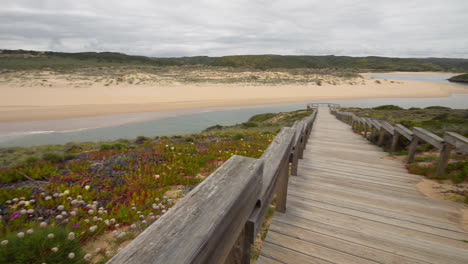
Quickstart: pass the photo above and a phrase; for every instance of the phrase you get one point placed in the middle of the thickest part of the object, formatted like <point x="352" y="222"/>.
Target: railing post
<point x="444" y="158"/>
<point x="395" y="138"/>
<point x="282" y="189"/>
<point x="412" y="149"/>
<point x="380" y="142"/>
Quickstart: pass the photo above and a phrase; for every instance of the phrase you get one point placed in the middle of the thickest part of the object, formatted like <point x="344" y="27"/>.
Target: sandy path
<point x="30" y="103"/>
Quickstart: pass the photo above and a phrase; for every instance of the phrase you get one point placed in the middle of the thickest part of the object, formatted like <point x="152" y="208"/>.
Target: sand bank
<point x="29" y="102"/>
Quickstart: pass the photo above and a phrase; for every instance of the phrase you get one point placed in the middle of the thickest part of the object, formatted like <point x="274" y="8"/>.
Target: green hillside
<point x="20" y="59"/>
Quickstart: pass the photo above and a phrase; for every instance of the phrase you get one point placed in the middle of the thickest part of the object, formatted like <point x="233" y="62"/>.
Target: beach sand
<point x="51" y="97"/>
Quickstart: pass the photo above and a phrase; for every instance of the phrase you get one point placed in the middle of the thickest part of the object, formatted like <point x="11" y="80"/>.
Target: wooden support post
<point x="444" y="158"/>
<point x="395" y="138"/>
<point x="412" y="149"/>
<point x="282" y="189"/>
<point x="301" y="147"/>
<point x="380" y="142"/>
<point x="294" y="162"/>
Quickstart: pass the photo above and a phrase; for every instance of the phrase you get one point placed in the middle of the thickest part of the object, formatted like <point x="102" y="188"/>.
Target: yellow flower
<point x="87" y="187"/>
<point x="27" y="203"/>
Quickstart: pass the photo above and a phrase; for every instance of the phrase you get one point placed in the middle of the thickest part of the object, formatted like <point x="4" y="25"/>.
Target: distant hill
<point x="21" y="59"/>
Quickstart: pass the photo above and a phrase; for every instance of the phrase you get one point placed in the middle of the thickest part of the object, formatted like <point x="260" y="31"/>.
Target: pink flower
<point x="15" y="215"/>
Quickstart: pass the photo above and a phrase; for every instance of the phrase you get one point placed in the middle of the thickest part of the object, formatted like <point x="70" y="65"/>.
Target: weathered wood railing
<point x="219" y="220"/>
<point x="369" y="128"/>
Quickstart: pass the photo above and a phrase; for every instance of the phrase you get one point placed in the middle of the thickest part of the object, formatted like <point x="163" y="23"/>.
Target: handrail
<point x="450" y="141"/>
<point x="221" y="217"/>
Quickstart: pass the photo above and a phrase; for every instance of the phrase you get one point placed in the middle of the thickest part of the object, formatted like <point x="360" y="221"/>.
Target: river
<point x="113" y="127"/>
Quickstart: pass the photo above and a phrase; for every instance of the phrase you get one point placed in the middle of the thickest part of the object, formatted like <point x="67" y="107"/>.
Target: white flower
<point x="88" y="257"/>
<point x="54" y="249"/>
<point x="71" y="255"/>
<point x="4" y="243"/>
<point x="121" y="235"/>
<point x="79" y="197"/>
<point x="133" y="208"/>
<point x="107" y="222"/>
<point x="69" y="198"/>
<point x="23" y="212"/>
<point x="73" y="213"/>
<point x="144" y="222"/>
<point x="60" y="207"/>
<point x="29" y="231"/>
<point x="43" y="225"/>
<point x="95" y="218"/>
<point x="93" y="228"/>
<point x="20" y="234"/>
<point x="86" y="221"/>
<point x="64" y="213"/>
<point x="50" y="236"/>
<point x="74" y="202"/>
<point x="48" y="198"/>
<point x="133" y="226"/>
<point x="97" y="250"/>
<point x="66" y="192"/>
<point x="113" y="220"/>
<point x="30" y="211"/>
<point x="117" y="225"/>
<point x="15" y="200"/>
<point x="8" y="202"/>
<point x="71" y="236"/>
<point x="59" y="217"/>
<point x="91" y="212"/>
<point x="153" y="218"/>
<point x="164" y="211"/>
<point x="142" y="217"/>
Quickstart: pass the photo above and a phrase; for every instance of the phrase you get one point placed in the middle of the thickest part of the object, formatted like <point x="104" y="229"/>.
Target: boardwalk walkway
<point x="349" y="204"/>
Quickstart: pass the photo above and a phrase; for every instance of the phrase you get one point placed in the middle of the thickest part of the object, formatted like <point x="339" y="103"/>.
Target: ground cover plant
<point x="438" y="120"/>
<point x="82" y="201"/>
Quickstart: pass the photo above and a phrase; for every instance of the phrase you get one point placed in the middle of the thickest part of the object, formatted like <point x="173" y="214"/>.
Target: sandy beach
<point x="31" y="100"/>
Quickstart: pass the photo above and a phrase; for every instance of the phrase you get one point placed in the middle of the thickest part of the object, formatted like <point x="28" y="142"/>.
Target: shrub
<point x="32" y="159"/>
<point x="52" y="157"/>
<point x="388" y="107"/>
<point x="238" y="136"/>
<point x="141" y="139"/>
<point x="438" y="107"/>
<point x="262" y="117"/>
<point x="249" y="124"/>
<point x="36" y="247"/>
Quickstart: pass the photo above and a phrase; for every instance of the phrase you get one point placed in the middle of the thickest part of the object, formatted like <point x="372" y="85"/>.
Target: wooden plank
<point x="266" y="260"/>
<point x="408" y="134"/>
<point x="428" y="137"/>
<point x="403" y="236"/>
<point x="362" y="238"/>
<point x="376" y="217"/>
<point x="318" y="251"/>
<point x="458" y="141"/>
<point x="388" y="128"/>
<point x="340" y="245"/>
<point x="285" y="255"/>
<point x="208" y="220"/>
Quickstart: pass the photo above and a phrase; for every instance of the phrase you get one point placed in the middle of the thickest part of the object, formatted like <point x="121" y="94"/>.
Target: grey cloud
<point x="400" y="28"/>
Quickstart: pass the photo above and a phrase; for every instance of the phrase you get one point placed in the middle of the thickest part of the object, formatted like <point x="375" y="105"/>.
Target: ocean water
<point x="128" y="126"/>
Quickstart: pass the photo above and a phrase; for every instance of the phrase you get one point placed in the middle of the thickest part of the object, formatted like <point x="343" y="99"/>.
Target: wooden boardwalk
<point x="350" y="204"/>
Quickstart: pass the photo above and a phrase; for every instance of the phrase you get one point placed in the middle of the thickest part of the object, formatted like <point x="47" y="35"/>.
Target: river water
<point x="112" y="127"/>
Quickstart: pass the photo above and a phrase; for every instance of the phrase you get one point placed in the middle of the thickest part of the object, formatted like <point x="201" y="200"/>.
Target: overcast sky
<point x="397" y="28"/>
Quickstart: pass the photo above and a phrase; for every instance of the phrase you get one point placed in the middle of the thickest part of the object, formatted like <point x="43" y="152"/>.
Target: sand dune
<point x="30" y="101"/>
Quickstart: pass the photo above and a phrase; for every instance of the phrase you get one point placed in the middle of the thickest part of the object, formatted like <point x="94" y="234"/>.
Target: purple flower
<point x="75" y="226"/>
<point x="15" y="215"/>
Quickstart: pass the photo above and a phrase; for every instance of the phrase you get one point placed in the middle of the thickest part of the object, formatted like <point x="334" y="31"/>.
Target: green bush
<point x="249" y="124"/>
<point x="32" y="159"/>
<point x="438" y="107"/>
<point x="36" y="247"/>
<point x="238" y="136"/>
<point x="52" y="157"/>
<point x="141" y="139"/>
<point x="262" y="117"/>
<point x="388" y="107"/>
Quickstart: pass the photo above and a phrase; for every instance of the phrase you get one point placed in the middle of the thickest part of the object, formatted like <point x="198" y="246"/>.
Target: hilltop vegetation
<point x="26" y="60"/>
<point x="463" y="78"/>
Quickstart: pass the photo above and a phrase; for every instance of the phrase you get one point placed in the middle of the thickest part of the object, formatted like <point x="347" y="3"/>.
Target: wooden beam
<point x="408" y="134"/>
<point x="412" y="149"/>
<point x="395" y="138"/>
<point x="204" y="226"/>
<point x="428" y="137"/>
<point x="444" y="158"/>
<point x="459" y="142"/>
